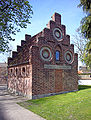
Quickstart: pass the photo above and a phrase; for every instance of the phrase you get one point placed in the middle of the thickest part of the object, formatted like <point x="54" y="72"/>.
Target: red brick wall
<point x="52" y="81"/>
<point x="43" y="80"/>
<point x="20" y="79"/>
<point x="3" y="73"/>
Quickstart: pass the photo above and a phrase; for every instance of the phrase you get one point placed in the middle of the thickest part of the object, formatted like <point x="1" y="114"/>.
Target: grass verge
<point x="69" y="106"/>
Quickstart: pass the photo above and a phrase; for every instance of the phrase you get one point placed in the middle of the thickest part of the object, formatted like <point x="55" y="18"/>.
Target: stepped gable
<point x="46" y="36"/>
<point x="21" y="56"/>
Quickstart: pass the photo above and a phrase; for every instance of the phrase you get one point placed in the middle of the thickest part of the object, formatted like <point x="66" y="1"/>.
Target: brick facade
<point x="44" y="64"/>
<point x="3" y="73"/>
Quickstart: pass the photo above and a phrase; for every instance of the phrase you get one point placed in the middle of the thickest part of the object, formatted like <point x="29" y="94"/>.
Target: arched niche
<point x="58" y="53"/>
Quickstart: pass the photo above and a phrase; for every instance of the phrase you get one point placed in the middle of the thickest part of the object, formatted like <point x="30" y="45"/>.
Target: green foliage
<point x="70" y="106"/>
<point x="85" y="29"/>
<point x="86" y="5"/>
<point x="14" y="14"/>
<point x="84" y="74"/>
<point x="86" y="21"/>
<point x="87" y="54"/>
<point x="82" y="87"/>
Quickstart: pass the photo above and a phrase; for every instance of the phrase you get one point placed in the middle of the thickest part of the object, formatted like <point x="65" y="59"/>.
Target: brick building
<point x="44" y="64"/>
<point x="3" y="73"/>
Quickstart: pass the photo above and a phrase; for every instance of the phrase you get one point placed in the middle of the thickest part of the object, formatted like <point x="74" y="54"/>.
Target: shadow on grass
<point x="82" y="87"/>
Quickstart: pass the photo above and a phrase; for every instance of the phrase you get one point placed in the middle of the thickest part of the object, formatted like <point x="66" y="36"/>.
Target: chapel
<point x="45" y="64"/>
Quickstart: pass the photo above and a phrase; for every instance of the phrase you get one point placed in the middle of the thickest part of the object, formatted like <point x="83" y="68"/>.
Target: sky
<point x="71" y="16"/>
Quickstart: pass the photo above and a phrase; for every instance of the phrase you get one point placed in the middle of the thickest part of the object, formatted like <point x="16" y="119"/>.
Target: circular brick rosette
<point x="68" y="57"/>
<point x="46" y="53"/>
<point x="57" y="33"/>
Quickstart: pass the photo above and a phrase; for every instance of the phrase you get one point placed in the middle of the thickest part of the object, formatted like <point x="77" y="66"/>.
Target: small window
<point x="16" y="71"/>
<point x="11" y="70"/>
<point x="23" y="69"/>
<point x="57" y="55"/>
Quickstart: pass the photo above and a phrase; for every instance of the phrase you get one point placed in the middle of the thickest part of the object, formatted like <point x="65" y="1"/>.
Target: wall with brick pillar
<point x="3" y="73"/>
<point x="20" y="80"/>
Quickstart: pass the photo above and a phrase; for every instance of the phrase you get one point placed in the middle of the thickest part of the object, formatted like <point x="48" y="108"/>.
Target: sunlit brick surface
<point x="27" y="74"/>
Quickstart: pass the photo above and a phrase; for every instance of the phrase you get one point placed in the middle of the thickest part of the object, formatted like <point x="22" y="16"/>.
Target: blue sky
<point x="42" y="12"/>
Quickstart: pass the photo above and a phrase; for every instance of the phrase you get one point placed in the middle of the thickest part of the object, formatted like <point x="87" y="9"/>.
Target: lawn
<point x="69" y="106"/>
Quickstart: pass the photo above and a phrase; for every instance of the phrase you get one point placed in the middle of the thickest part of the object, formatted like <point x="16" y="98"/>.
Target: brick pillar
<point x="9" y="60"/>
<point x="57" y="18"/>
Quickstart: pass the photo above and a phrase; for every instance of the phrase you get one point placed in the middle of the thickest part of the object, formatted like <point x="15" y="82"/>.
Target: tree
<point x="87" y="54"/>
<point x="81" y="48"/>
<point x="14" y="14"/>
<point x="86" y="21"/>
<point x="80" y="44"/>
<point x="85" y="29"/>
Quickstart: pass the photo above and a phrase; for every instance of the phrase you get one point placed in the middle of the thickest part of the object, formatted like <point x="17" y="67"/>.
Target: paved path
<point x="9" y="110"/>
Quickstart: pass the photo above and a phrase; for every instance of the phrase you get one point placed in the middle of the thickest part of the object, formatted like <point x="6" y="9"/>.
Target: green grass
<point x="69" y="106"/>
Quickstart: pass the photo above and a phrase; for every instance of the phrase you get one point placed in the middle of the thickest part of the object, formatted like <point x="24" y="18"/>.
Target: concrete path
<point x="9" y="110"/>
